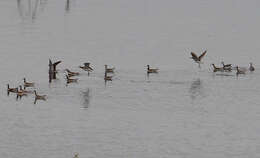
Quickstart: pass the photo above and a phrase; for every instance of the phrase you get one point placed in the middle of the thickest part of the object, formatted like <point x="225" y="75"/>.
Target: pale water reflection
<point x="28" y="9"/>
<point x="86" y="98"/>
<point x="196" y="89"/>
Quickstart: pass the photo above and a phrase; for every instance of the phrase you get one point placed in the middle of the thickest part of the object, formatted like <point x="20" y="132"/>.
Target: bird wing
<point x="202" y="55"/>
<point x="56" y="63"/>
<point x="194" y="56"/>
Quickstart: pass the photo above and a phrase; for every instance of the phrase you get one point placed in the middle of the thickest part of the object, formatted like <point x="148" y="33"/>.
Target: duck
<point x="107" y="78"/>
<point x="25" y="91"/>
<point x="196" y="58"/>
<point x="149" y="70"/>
<point x="13" y="90"/>
<point x="217" y="68"/>
<point x="39" y="97"/>
<point x="27" y="84"/>
<point x="70" y="80"/>
<point x="70" y="73"/>
<point x="109" y="70"/>
<point x="239" y="71"/>
<point x="251" y="68"/>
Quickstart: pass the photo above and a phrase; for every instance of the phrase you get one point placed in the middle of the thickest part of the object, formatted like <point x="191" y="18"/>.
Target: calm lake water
<point x="182" y="112"/>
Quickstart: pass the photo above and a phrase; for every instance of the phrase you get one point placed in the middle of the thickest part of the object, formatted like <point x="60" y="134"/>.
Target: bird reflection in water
<point x="86" y="98"/>
<point x="67" y="8"/>
<point x="28" y="8"/>
<point x="196" y="89"/>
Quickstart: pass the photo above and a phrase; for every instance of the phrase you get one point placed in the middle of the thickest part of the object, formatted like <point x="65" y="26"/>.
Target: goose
<point x="55" y="65"/>
<point x="20" y="94"/>
<point x="107" y="78"/>
<point x="25" y="91"/>
<point x="217" y="68"/>
<point x="149" y="70"/>
<point x="13" y="90"/>
<point x="39" y="97"/>
<point x="76" y="155"/>
<point x="226" y="65"/>
<point x="71" y="74"/>
<point x="71" y="80"/>
<point x="251" y="68"/>
<point x="27" y="84"/>
<point x="196" y="58"/>
<point x="239" y="71"/>
<point x="86" y="67"/>
<point x="109" y="70"/>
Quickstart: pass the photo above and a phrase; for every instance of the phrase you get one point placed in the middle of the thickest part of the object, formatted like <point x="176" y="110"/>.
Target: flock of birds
<point x="225" y="67"/>
<point x="21" y="91"/>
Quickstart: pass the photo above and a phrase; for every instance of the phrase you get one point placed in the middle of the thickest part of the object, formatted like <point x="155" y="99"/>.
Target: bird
<point x="27" y="84"/>
<point x="226" y="65"/>
<point x="13" y="90"/>
<point x="251" y="68"/>
<point x="76" y="155"/>
<point x="39" y="97"/>
<point x="196" y="58"/>
<point x="109" y="70"/>
<point x="20" y="94"/>
<point x="86" y="67"/>
<point x="239" y="71"/>
<point x="71" y="80"/>
<point x="25" y="91"/>
<point x="215" y="69"/>
<point x="107" y="78"/>
<point x="70" y="73"/>
<point x="149" y="70"/>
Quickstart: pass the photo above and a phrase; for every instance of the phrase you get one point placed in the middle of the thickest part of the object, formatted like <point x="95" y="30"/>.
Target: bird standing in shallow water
<point x="198" y="59"/>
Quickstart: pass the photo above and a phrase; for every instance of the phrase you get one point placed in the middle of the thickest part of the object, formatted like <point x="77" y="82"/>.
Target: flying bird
<point x="198" y="59"/>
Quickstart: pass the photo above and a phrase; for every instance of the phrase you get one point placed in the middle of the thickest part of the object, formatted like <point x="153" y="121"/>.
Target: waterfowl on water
<point x="76" y="155"/>
<point x="149" y="70"/>
<point x="39" y="97"/>
<point x="239" y="71"/>
<point x="251" y="68"/>
<point x="109" y="70"/>
<point x="215" y="69"/>
<point x="27" y="84"/>
<point x="25" y="91"/>
<point x="71" y="80"/>
<point x="13" y="90"/>
<point x="20" y="94"/>
<point x="107" y="78"/>
<point x="70" y="73"/>
<point x="226" y="65"/>
<point x="86" y="67"/>
<point x="196" y="58"/>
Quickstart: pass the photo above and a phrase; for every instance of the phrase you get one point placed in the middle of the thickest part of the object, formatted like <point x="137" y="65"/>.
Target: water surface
<point x="181" y="112"/>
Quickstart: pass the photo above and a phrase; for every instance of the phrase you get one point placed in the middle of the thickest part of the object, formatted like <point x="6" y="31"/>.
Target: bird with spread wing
<point x="198" y="59"/>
